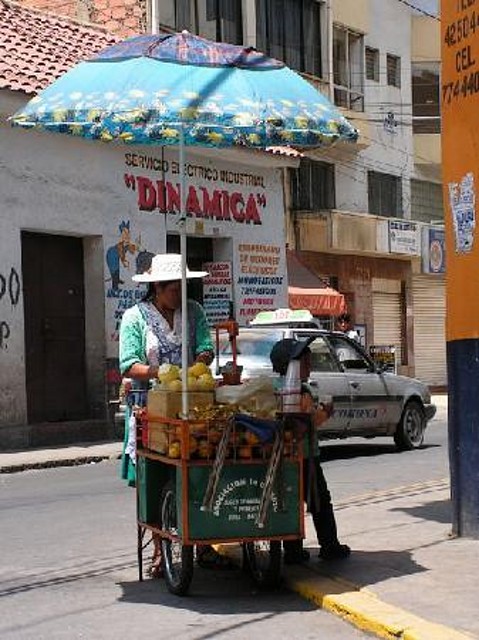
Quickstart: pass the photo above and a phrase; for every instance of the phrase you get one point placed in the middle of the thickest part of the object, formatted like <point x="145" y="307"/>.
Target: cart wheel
<point x="264" y="562"/>
<point x="177" y="557"/>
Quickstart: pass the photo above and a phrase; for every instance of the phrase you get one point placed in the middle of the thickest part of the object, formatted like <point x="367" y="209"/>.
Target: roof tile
<point x="37" y="47"/>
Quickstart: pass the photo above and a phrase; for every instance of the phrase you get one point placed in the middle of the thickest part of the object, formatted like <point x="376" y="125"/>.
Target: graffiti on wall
<point x="9" y="296"/>
<point x="124" y="258"/>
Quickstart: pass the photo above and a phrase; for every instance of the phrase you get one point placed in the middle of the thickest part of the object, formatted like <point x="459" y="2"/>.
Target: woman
<point x="150" y="335"/>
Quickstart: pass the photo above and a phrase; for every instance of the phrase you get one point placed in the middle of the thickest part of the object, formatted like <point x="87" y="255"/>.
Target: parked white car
<point x="367" y="401"/>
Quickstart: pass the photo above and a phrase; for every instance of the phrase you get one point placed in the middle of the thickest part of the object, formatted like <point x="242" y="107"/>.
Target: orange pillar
<point x="460" y="156"/>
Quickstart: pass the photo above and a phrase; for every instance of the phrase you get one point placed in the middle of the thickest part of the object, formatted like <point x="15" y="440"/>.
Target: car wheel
<point x="410" y="430"/>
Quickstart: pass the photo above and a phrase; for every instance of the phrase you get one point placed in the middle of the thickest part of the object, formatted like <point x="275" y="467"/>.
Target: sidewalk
<point x="14" y="461"/>
<point x="406" y="578"/>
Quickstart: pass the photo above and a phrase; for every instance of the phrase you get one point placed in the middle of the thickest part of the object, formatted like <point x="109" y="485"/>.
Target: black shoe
<point x="335" y="551"/>
<point x="296" y="558"/>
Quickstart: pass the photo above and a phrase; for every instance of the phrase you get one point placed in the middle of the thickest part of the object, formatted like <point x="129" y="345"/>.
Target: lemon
<point x="166" y="378"/>
<point x="175" y="385"/>
<point x="206" y="382"/>
<point x="198" y="369"/>
<point x="174" y="450"/>
<point x="192" y="383"/>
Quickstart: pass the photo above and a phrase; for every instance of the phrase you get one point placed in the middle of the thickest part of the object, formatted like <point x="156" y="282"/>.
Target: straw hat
<point x="164" y="267"/>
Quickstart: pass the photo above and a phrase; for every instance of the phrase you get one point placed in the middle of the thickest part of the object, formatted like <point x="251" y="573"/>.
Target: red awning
<point x="307" y="291"/>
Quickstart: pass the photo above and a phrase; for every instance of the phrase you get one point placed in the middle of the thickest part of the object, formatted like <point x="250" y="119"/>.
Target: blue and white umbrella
<point x="154" y="89"/>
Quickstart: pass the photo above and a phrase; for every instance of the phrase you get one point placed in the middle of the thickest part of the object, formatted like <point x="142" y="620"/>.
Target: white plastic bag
<point x="254" y="395"/>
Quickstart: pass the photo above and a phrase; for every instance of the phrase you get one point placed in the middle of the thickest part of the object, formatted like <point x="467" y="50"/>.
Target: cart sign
<point x="404" y="237"/>
<point x="236" y="504"/>
<point x="384" y="356"/>
<point x="217" y="291"/>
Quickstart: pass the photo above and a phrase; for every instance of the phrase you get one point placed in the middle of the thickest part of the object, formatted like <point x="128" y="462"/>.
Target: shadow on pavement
<point x="365" y="568"/>
<point x="366" y="450"/>
<point x="216" y="592"/>
<point x="438" y="511"/>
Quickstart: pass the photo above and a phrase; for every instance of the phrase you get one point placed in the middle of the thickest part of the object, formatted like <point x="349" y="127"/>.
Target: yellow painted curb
<point x="358" y="606"/>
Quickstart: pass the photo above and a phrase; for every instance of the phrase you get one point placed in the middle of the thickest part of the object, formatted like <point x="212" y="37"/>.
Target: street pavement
<point x="407" y="578"/>
<point x="68" y="571"/>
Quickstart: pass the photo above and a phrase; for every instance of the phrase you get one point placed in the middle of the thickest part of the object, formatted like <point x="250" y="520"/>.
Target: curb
<point x="63" y="462"/>
<point x="359" y="607"/>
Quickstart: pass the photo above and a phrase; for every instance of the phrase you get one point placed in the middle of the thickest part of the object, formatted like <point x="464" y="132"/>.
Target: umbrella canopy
<point x="158" y="89"/>
<point x="307" y="291"/>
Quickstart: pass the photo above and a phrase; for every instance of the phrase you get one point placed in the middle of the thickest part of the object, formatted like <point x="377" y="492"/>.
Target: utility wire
<point x="422" y="11"/>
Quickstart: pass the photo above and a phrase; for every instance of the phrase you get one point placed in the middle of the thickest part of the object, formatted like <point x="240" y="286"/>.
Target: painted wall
<point x="224" y="200"/>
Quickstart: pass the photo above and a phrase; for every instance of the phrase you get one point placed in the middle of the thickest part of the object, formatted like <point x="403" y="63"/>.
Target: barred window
<point x="313" y="186"/>
<point x="290" y="30"/>
<point x="348" y="68"/>
<point x="219" y="20"/>
<point x="426" y="114"/>
<point x="372" y="64"/>
<point x="426" y="201"/>
<point x="385" y="194"/>
<point x="393" y="64"/>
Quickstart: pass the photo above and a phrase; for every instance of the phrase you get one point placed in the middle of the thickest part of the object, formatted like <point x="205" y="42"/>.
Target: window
<point x="349" y="357"/>
<point x="348" y="52"/>
<point x="393" y="64"/>
<point x="321" y="357"/>
<point x="290" y="30"/>
<point x="219" y="20"/>
<point x="313" y="187"/>
<point x="426" y="201"/>
<point x="426" y="115"/>
<point x="372" y="64"/>
<point x="384" y="194"/>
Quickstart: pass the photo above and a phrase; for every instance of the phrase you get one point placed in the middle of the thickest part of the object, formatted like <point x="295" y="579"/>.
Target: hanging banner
<point x="217" y="291"/>
<point x="404" y="238"/>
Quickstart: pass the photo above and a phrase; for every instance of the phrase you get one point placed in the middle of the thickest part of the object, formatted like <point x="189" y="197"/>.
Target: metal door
<point x="373" y="406"/>
<point x="327" y="380"/>
<point x="53" y="294"/>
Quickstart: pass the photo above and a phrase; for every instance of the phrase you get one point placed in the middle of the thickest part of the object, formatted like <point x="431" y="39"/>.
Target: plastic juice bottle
<point x="291" y="392"/>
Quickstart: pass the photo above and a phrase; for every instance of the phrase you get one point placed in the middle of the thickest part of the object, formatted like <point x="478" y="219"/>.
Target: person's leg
<point x="156" y="569"/>
<point x="293" y="549"/>
<point x="324" y="521"/>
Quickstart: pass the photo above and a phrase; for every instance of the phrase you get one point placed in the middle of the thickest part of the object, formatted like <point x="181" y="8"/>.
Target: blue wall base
<point x="463" y="374"/>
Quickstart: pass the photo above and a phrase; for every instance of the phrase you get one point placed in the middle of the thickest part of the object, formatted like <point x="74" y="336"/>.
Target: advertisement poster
<point x="217" y="291"/>
<point x="404" y="238"/>
<point x="261" y="282"/>
<point x="384" y="356"/>
<point x="435" y="254"/>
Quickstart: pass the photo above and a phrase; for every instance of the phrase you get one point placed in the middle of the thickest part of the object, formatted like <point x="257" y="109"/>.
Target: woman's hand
<point x="140" y="371"/>
<point x="206" y="357"/>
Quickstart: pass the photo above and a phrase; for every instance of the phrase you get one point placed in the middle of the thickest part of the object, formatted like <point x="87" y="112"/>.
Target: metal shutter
<point x="429" y="300"/>
<point x="387" y="314"/>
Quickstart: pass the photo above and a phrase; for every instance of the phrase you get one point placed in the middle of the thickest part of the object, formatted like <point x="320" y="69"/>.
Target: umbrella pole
<point x="184" y="301"/>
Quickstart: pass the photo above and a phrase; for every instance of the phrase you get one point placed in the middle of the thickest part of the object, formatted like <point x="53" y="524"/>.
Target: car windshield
<point x="253" y="348"/>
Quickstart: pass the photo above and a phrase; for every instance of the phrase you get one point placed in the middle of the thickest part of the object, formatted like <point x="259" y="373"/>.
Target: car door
<point x="373" y="407"/>
<point x="327" y="381"/>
